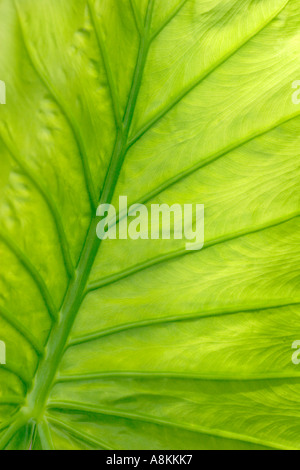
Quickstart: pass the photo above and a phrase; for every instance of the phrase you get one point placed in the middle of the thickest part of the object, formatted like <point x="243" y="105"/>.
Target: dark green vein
<point x="11" y="370"/>
<point x="79" y="435"/>
<point x="45" y="194"/>
<point x="69" y="119"/>
<point x="33" y="272"/>
<point x="45" y="435"/>
<point x="177" y="319"/>
<point x="169" y="19"/>
<point x="6" y="425"/>
<point x="81" y="408"/>
<point x="138" y="73"/>
<point x="199" y="80"/>
<point x="173" y="376"/>
<point x="137" y="21"/>
<point x="21" y="330"/>
<point x="10" y="430"/>
<point x="11" y="400"/>
<point x="110" y="80"/>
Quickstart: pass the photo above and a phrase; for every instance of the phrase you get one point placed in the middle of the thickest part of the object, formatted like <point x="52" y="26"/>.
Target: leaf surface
<point x="140" y="344"/>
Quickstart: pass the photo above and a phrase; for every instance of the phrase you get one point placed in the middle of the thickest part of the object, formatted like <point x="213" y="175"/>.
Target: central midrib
<point x="48" y="367"/>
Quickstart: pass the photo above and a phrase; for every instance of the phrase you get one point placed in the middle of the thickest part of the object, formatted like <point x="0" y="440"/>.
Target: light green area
<point x="139" y="344"/>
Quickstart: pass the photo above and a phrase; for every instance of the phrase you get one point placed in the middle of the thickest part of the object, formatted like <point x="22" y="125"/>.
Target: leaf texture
<point x="140" y="344"/>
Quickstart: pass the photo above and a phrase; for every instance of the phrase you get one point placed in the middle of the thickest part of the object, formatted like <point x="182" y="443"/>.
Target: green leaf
<point x="140" y="344"/>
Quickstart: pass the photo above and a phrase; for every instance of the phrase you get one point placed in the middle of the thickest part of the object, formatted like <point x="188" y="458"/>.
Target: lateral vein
<point x="161" y="422"/>
<point x="183" y="252"/>
<point x="198" y="81"/>
<point x="111" y="84"/>
<point x="77" y="136"/>
<point x="24" y="332"/>
<point x="51" y="206"/>
<point x="34" y="274"/>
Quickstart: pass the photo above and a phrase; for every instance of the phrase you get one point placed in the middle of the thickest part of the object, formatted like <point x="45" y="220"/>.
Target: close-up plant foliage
<point x="141" y="344"/>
